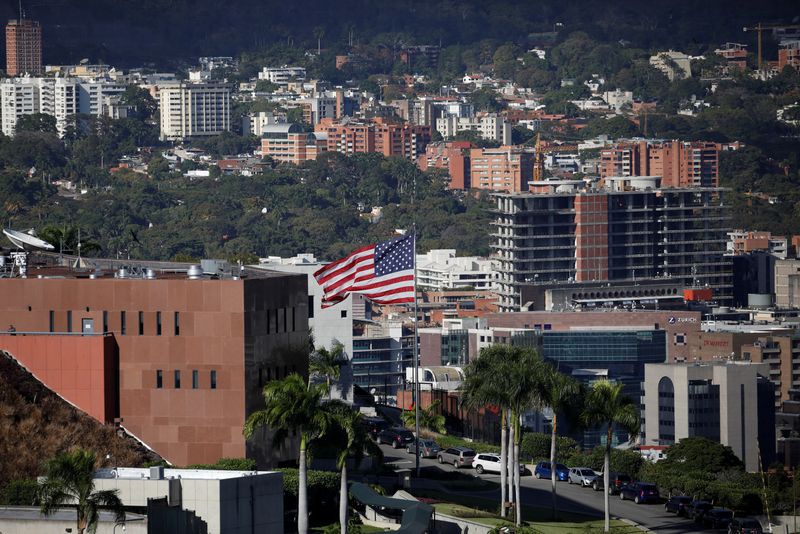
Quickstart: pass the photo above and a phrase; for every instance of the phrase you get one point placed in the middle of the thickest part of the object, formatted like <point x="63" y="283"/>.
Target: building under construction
<point x="626" y="235"/>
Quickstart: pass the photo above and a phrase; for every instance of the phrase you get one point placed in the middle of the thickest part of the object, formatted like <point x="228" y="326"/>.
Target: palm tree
<point x="349" y="436"/>
<point x="70" y="482"/>
<point x="524" y="373"/>
<point x="292" y="406"/>
<point x="483" y="386"/>
<point x="327" y="363"/>
<point x="429" y="418"/>
<point x="607" y="406"/>
<point x="561" y="395"/>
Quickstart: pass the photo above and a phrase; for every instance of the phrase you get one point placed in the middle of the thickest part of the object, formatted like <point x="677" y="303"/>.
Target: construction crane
<point x="538" y="162"/>
<point x="760" y="27"/>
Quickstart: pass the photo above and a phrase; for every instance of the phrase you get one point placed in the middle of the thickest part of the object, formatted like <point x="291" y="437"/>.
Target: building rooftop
<point x="33" y="513"/>
<point x="141" y="473"/>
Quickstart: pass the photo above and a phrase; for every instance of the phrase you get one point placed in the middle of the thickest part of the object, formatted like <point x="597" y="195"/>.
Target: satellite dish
<point x="27" y="242"/>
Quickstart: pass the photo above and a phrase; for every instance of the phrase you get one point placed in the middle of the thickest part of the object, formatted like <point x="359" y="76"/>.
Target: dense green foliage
<point x="319" y="208"/>
<point x="228" y="464"/>
<point x="535" y="447"/>
<point x="21" y="492"/>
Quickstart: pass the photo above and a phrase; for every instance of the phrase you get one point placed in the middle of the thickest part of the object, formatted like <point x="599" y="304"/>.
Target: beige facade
<point x="194" y="110"/>
<point x="787" y="283"/>
<point x="718" y="401"/>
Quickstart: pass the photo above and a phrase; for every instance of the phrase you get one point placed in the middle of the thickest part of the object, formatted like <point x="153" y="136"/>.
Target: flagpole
<point x="416" y="356"/>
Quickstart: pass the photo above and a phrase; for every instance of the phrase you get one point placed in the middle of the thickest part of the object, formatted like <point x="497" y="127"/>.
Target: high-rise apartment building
<point x="59" y="97"/>
<point x="288" y="143"/>
<point x="631" y="230"/>
<point x="23" y="47"/>
<point x="506" y="168"/>
<point x="490" y="126"/>
<point x="194" y="110"/>
<point x="679" y="163"/>
<point x="385" y="137"/>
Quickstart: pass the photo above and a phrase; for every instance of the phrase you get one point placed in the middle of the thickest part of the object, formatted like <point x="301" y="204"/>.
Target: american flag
<point x="384" y="273"/>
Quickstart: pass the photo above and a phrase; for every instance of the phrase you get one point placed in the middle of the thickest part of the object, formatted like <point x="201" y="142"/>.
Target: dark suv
<point x="697" y="508"/>
<point x="639" y="492"/>
<point x="615" y="482"/>
<point x="458" y="456"/>
<point x="396" y="437"/>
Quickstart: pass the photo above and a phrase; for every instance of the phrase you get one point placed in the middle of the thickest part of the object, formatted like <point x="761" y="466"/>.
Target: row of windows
<point x="176" y="379"/>
<point x="87" y="325"/>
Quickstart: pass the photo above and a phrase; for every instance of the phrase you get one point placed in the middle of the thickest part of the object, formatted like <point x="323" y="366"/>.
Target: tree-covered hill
<point x="128" y="32"/>
<point x="322" y="207"/>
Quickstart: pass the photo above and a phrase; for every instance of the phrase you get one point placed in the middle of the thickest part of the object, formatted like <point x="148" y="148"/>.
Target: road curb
<point x="633" y="524"/>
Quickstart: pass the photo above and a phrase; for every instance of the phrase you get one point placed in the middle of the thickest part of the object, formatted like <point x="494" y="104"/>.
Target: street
<point x="571" y="498"/>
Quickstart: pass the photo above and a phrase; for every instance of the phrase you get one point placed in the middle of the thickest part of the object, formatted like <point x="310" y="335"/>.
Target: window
<point x="158" y="323"/>
<point x="159" y="379"/>
<point x="141" y="323"/>
<point x="311" y="306"/>
<point x="344" y="314"/>
<point x="177" y="323"/>
<point x="69" y="321"/>
<point x="105" y="322"/>
<point x="195" y="379"/>
<point x="213" y="379"/>
<point x="177" y="379"/>
<point x="293" y="320"/>
<point x="52" y="321"/>
<point x="122" y="322"/>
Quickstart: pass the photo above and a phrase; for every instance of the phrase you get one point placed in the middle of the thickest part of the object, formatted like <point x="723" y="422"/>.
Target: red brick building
<point x="288" y="143"/>
<point x="507" y="168"/>
<point x="380" y="135"/>
<point x="679" y="163"/>
<point x="452" y="156"/>
<point x="178" y="362"/>
<point x="789" y="55"/>
<point x="23" y="47"/>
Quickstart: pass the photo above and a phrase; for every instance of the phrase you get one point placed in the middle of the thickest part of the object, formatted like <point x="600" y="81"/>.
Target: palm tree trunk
<point x="518" y="433"/>
<point x="553" y="464"/>
<point x="510" y="464"/>
<point x="302" y="489"/>
<point x="503" y="460"/>
<point x="606" y="476"/>
<point x="343" y="499"/>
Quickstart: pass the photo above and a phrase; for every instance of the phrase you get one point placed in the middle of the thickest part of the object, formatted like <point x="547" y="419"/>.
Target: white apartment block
<point x="194" y="110"/>
<point x="282" y="75"/>
<point x="442" y="269"/>
<point x="491" y="126"/>
<point x="59" y="97"/>
<point x="256" y="123"/>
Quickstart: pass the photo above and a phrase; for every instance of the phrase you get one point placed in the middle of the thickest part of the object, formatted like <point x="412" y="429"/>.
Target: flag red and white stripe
<point x="383" y="272"/>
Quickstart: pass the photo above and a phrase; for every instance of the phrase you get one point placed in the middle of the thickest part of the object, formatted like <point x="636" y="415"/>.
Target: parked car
<point x="427" y="448"/>
<point x="615" y="482"/>
<point x="745" y="525"/>
<point x="490" y="461"/>
<point x="639" y="492"/>
<point x="677" y="504"/>
<point x="696" y="509"/>
<point x="374" y="425"/>
<point x="396" y="437"/>
<point x="458" y="456"/>
<point x="542" y="470"/>
<point x="717" y="518"/>
<point x="581" y="475"/>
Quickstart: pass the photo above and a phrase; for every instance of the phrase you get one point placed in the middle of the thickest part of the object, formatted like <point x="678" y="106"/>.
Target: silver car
<point x="581" y="475"/>
<point x="427" y="448"/>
